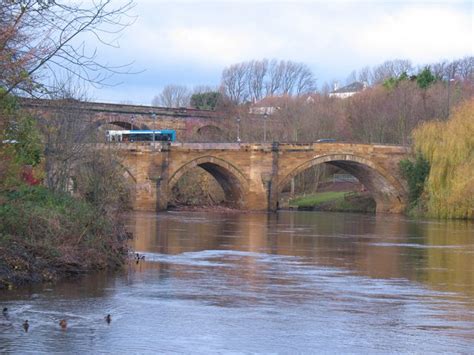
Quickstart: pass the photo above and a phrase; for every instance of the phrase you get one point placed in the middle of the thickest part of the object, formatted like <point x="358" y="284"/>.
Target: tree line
<point x="252" y="81"/>
<point x="398" y="98"/>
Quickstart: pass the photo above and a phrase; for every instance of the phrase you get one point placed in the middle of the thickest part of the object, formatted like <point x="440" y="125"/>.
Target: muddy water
<point x="292" y="282"/>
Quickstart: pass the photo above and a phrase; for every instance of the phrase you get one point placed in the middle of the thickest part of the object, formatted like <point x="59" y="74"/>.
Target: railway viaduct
<point x="254" y="175"/>
<point x="189" y="124"/>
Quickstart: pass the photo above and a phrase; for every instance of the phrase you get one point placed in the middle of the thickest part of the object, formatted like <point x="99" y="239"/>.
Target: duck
<point x="139" y="257"/>
<point x="108" y="318"/>
<point x="5" y="311"/>
<point x="26" y="325"/>
<point x="63" y="323"/>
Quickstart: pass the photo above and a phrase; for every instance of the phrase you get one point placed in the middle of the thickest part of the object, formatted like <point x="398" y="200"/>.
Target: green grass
<point x="336" y="201"/>
<point x="317" y="198"/>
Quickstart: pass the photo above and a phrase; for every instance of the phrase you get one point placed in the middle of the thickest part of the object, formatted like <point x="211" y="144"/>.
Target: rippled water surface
<point x="292" y="282"/>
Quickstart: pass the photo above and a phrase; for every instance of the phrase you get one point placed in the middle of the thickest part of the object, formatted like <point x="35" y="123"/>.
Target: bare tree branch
<point x="39" y="38"/>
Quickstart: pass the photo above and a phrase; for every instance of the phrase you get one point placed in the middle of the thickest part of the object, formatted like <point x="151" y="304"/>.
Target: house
<point x="348" y="90"/>
<point x="268" y="105"/>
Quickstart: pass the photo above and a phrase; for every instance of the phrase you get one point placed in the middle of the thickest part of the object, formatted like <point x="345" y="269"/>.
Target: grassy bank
<point x="337" y="201"/>
<point x="45" y="236"/>
<point x="317" y="199"/>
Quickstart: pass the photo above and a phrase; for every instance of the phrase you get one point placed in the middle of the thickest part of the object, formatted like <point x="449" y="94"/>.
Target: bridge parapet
<point x="284" y="147"/>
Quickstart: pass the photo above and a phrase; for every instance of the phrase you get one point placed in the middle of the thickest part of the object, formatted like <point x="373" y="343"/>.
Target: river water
<point x="291" y="282"/>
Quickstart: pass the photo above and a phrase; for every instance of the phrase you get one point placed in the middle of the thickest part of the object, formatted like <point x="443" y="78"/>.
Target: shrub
<point x="449" y="149"/>
<point x="41" y="230"/>
<point x="415" y="173"/>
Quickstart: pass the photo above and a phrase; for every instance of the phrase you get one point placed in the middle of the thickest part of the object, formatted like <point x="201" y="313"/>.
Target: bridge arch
<point x="210" y="132"/>
<point x="209" y="129"/>
<point x="388" y="193"/>
<point x="122" y="122"/>
<point x="231" y="179"/>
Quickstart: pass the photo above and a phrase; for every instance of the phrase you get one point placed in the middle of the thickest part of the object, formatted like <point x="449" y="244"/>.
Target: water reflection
<point x="438" y="254"/>
<point x="300" y="282"/>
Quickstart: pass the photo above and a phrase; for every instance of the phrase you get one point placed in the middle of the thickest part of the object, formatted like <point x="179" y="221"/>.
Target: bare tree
<point x="173" y="96"/>
<point x="290" y="78"/>
<point x="200" y="89"/>
<point x="257" y="73"/>
<point x="102" y="181"/>
<point x="466" y="69"/>
<point x="364" y="75"/>
<point x="39" y="39"/>
<point x="326" y="88"/>
<point x="351" y="77"/>
<point x="72" y="161"/>
<point x="275" y="77"/>
<point x="390" y="68"/>
<point x="255" y="80"/>
<point x="290" y="74"/>
<point x="234" y="82"/>
<point x="440" y="69"/>
<point x="305" y="82"/>
<point x="65" y="134"/>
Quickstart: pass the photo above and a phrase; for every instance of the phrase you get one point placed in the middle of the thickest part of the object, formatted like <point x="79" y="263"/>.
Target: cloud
<point x="188" y="42"/>
<point x="423" y="34"/>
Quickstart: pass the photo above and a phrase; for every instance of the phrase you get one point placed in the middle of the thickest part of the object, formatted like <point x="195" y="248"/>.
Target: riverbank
<point x="335" y="201"/>
<point x="209" y="208"/>
<point x="46" y="236"/>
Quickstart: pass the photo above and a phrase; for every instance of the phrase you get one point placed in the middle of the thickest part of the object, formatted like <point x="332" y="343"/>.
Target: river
<point x="289" y="282"/>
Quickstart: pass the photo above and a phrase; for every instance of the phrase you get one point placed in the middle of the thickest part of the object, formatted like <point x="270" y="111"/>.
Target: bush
<point x="415" y="173"/>
<point x="44" y="231"/>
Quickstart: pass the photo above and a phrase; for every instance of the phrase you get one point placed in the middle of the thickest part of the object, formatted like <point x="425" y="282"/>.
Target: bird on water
<point x="108" y="318"/>
<point x="63" y="323"/>
<point x="26" y="325"/>
<point x="139" y="257"/>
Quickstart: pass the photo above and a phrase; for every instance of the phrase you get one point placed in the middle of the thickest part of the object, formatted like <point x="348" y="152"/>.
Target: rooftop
<point x="353" y="87"/>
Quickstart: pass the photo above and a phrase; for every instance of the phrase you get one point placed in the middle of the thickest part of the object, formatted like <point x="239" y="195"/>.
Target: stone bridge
<point x="254" y="175"/>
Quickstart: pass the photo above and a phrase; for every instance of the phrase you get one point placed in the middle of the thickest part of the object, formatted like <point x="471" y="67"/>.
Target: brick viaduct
<point x="251" y="175"/>
<point x="189" y="124"/>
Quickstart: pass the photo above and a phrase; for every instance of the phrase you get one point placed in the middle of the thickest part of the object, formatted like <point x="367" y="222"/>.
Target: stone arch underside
<point x="206" y="129"/>
<point x="388" y="193"/>
<point x="123" y="123"/>
<point x="232" y="180"/>
<point x="210" y="133"/>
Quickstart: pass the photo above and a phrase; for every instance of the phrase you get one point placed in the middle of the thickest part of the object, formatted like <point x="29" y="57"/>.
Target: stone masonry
<point x="253" y="175"/>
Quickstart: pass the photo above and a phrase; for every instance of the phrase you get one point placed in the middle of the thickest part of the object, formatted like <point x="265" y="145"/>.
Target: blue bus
<point x="162" y="135"/>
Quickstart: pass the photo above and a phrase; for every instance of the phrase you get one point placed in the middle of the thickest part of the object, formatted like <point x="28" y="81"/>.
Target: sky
<point x="190" y="42"/>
